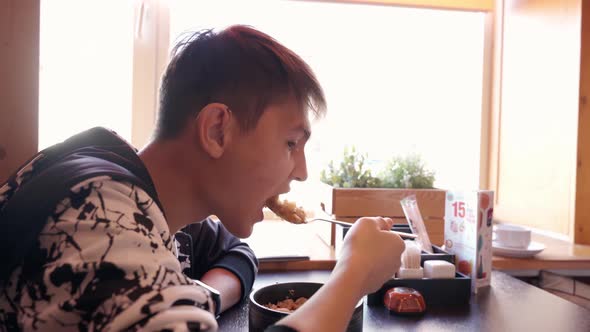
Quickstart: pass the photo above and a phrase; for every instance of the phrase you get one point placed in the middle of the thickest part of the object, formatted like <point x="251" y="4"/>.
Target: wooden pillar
<point x="19" y="82"/>
<point x="582" y="219"/>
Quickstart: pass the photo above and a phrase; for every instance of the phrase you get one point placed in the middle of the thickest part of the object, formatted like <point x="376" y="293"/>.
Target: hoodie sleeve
<point x="214" y="246"/>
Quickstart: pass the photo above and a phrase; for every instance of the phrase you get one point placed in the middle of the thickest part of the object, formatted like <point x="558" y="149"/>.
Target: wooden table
<point x="508" y="305"/>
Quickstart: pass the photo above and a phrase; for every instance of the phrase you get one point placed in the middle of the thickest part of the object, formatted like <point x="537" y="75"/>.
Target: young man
<point x="90" y="222"/>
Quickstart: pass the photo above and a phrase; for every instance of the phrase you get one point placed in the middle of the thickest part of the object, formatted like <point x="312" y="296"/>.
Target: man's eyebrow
<point x="302" y="128"/>
<point x="305" y="130"/>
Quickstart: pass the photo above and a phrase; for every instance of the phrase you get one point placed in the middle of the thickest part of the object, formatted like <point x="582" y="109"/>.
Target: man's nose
<point x="300" y="171"/>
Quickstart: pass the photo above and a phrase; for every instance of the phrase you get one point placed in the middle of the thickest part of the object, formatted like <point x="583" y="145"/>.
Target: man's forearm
<point x="330" y="308"/>
<point x="226" y="283"/>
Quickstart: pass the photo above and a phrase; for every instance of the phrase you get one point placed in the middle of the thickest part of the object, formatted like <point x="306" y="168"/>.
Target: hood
<point x="31" y="194"/>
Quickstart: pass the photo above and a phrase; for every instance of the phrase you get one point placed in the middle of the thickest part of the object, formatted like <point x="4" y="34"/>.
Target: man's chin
<point x="244" y="230"/>
<point x="241" y="227"/>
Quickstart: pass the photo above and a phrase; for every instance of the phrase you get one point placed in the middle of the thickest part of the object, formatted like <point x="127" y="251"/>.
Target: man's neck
<point x="175" y="190"/>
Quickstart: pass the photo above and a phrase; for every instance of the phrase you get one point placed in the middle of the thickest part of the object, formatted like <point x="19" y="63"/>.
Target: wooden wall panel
<point x="19" y="82"/>
<point x="582" y="219"/>
<point x="535" y="172"/>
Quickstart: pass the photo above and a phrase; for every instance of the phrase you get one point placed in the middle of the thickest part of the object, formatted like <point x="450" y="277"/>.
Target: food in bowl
<point x="286" y="210"/>
<point x="287" y="305"/>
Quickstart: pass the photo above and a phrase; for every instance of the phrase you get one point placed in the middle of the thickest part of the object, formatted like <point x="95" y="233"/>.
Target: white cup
<point x="512" y="236"/>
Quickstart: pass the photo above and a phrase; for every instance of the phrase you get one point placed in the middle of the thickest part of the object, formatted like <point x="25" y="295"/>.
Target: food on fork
<point x="286" y="210"/>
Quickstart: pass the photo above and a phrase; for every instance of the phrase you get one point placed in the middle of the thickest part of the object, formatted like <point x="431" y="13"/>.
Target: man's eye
<point x="291" y="145"/>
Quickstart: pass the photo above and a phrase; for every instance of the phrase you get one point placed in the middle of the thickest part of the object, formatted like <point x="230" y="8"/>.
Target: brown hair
<point x="240" y="67"/>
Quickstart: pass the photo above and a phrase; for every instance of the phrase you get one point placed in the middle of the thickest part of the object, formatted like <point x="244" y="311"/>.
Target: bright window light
<point x="86" y="67"/>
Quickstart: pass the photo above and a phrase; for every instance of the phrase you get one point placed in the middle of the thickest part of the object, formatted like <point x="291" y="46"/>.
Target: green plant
<point x="407" y="172"/>
<point x="400" y="172"/>
<point x="351" y="173"/>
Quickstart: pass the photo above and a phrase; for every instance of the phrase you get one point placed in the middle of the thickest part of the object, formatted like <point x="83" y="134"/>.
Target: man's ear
<point x="213" y="124"/>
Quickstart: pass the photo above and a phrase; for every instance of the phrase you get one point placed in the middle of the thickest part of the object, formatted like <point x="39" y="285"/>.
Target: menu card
<point x="468" y="233"/>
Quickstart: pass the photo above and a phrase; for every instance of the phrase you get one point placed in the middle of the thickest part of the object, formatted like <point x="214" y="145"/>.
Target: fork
<point x="403" y="235"/>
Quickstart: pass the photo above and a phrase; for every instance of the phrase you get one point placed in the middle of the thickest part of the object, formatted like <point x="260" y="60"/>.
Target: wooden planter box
<point x="349" y="204"/>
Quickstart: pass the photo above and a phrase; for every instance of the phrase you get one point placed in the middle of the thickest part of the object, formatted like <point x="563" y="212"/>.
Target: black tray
<point x="436" y="292"/>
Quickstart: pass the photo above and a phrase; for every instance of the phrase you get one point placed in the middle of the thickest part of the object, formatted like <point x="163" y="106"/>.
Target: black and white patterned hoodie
<point x="86" y="246"/>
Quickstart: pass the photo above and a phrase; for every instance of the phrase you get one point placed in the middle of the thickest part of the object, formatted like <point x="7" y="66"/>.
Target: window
<point x="85" y="75"/>
<point x="398" y="80"/>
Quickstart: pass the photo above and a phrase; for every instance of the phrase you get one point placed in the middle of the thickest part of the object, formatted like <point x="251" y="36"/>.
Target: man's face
<point x="260" y="164"/>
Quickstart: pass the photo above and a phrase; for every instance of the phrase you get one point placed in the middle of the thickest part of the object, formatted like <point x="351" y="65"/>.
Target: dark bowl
<point x="260" y="317"/>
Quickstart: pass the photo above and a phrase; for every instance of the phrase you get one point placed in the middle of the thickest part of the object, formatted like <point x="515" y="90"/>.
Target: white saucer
<point x="533" y="249"/>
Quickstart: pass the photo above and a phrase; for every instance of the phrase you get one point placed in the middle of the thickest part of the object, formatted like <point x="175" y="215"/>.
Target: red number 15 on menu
<point x="459" y="209"/>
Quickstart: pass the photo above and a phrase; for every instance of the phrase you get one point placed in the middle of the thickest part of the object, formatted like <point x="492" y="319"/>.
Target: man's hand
<point x="371" y="253"/>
